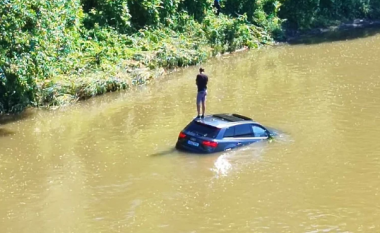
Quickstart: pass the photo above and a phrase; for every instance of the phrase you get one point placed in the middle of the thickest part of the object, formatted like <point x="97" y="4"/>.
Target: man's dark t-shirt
<point x="202" y="80"/>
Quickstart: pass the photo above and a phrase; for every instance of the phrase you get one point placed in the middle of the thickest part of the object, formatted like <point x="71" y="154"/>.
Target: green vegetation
<point x="56" y="52"/>
<point x="305" y="14"/>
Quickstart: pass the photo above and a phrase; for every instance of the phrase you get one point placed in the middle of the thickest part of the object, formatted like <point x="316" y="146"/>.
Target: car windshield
<point x="202" y="129"/>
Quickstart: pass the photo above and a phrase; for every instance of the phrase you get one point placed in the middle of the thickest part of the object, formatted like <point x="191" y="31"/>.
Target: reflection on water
<point x="235" y="160"/>
<point x="221" y="165"/>
<point x="109" y="164"/>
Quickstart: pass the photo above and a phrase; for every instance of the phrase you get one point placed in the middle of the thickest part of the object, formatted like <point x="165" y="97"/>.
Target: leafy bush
<point x="35" y="39"/>
<point x="113" y="13"/>
<point x="304" y="14"/>
<point x="16" y="89"/>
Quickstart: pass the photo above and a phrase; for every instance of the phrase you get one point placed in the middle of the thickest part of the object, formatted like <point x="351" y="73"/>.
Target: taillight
<point x="181" y="135"/>
<point x="210" y="144"/>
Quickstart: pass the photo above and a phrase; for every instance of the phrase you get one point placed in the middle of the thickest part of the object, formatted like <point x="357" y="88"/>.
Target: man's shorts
<point x="201" y="96"/>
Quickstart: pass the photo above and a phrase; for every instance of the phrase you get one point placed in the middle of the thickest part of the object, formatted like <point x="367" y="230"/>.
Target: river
<point x="108" y="164"/>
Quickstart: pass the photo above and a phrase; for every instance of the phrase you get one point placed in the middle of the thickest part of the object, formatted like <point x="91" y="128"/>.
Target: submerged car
<point x="221" y="132"/>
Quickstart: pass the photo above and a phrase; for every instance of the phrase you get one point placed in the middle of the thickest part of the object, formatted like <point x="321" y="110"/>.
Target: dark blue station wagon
<point x="221" y="132"/>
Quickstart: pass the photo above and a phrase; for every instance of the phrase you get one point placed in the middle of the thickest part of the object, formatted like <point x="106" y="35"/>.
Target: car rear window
<point x="202" y="129"/>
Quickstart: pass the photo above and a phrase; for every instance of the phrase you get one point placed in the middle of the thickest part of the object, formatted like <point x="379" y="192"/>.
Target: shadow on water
<point x="5" y="132"/>
<point x="180" y="152"/>
<point x="163" y="153"/>
<point x="339" y="35"/>
<point x="6" y="119"/>
<point x="9" y="118"/>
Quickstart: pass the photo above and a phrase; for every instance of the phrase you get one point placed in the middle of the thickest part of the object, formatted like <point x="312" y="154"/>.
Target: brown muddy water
<point x="108" y="164"/>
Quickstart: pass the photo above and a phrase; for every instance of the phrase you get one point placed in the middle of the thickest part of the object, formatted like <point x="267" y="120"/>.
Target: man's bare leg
<point x="203" y="108"/>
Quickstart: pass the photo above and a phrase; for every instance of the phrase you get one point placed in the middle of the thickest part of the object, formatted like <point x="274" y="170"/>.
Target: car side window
<point x="230" y="132"/>
<point x="259" y="131"/>
<point x="243" y="131"/>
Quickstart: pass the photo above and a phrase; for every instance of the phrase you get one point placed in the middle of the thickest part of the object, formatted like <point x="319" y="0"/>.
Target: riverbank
<point x="107" y="61"/>
<point x="152" y="58"/>
<point x="58" y="53"/>
<point x="67" y="89"/>
<point x="64" y="90"/>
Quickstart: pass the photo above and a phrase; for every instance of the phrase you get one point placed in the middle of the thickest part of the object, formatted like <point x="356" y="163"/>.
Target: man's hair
<point x="201" y="69"/>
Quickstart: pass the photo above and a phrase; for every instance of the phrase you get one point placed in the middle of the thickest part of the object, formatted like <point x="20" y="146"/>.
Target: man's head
<point x="201" y="70"/>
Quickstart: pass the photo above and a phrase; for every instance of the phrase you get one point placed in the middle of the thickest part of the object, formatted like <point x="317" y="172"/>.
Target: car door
<point x="229" y="141"/>
<point x="244" y="134"/>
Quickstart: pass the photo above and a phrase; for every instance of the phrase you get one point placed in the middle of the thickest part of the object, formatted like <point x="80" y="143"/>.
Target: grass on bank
<point x="110" y="61"/>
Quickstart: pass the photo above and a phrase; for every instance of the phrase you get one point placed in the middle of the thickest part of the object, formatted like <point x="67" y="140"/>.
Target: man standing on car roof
<point x="201" y="82"/>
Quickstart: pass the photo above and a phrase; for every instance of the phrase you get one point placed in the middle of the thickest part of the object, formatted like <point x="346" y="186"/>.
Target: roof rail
<point x="232" y="117"/>
<point x="242" y="117"/>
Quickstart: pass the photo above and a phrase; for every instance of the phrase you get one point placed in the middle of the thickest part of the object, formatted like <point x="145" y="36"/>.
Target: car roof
<point x="224" y="120"/>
